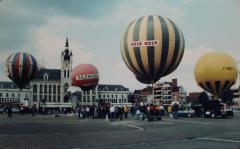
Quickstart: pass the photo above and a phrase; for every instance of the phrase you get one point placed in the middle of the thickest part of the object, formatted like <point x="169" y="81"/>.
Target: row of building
<point x="50" y="87"/>
<point x="163" y="93"/>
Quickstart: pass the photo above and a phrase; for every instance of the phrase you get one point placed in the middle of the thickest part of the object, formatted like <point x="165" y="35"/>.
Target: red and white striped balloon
<point x="21" y="68"/>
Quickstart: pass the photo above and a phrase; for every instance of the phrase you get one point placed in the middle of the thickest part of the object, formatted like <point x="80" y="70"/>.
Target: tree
<point x="227" y="96"/>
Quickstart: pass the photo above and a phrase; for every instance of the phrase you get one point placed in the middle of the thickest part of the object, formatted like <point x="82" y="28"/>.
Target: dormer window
<point x="45" y="76"/>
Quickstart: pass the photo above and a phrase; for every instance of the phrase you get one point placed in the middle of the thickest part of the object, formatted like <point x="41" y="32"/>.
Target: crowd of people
<point x="112" y="113"/>
<point x="107" y="111"/>
<point x="102" y="111"/>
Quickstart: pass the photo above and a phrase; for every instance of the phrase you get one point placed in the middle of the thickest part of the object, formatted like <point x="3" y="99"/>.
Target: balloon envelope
<point x="21" y="68"/>
<point x="85" y="76"/>
<point x="215" y="72"/>
<point x="152" y="47"/>
<point x="143" y="79"/>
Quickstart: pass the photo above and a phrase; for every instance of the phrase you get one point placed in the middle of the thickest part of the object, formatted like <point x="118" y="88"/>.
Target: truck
<point x="222" y="110"/>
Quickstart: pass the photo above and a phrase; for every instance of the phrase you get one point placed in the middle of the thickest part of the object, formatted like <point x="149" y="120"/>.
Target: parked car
<point x="15" y="110"/>
<point x="1" y="110"/>
<point x="186" y="113"/>
<point x="198" y="110"/>
<point x="154" y="113"/>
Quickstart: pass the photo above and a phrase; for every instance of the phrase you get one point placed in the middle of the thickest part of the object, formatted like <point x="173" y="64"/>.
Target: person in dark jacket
<point x="9" y="110"/>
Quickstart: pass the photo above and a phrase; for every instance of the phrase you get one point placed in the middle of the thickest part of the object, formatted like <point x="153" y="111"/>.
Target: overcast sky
<point x="94" y="29"/>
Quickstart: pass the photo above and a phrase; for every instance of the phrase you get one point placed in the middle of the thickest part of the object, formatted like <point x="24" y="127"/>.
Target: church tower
<point x="66" y="69"/>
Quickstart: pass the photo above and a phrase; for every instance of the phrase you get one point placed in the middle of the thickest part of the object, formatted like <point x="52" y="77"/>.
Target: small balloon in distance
<point x="21" y="68"/>
<point x="85" y="76"/>
<point x="216" y="72"/>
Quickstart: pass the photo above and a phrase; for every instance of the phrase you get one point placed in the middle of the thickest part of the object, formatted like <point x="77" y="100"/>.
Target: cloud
<point x="94" y="29"/>
<point x="49" y="42"/>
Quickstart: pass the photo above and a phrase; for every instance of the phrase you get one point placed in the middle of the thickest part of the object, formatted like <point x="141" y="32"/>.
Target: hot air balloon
<point x="143" y="79"/>
<point x="216" y="72"/>
<point x="21" y="68"/>
<point x="85" y="76"/>
<point x="152" y="47"/>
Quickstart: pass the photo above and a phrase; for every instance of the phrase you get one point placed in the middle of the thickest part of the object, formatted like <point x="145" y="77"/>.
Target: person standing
<point x="79" y="112"/>
<point x="9" y="109"/>
<point x="112" y="113"/>
<point x="121" y="111"/>
<point x="175" y="110"/>
<point x="83" y="111"/>
<point x="169" y="110"/>
<point x="138" y="113"/>
<point x="126" y="112"/>
<point x="33" y="110"/>
<point x="88" y="111"/>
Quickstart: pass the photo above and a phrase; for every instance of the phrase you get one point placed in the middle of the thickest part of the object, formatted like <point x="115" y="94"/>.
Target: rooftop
<point x="48" y="74"/>
<point x="107" y="87"/>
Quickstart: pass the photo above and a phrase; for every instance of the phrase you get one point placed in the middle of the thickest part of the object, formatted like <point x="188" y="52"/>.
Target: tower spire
<point x="66" y="44"/>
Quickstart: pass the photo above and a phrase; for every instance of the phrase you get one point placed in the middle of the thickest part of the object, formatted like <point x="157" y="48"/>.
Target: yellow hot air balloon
<point x="215" y="72"/>
<point x="152" y="47"/>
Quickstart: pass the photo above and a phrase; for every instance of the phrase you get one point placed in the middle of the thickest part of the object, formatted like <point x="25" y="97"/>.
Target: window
<point x="0" y="94"/>
<point x="54" y="98"/>
<point x="116" y="96"/>
<point x="88" y="99"/>
<point x="99" y="96"/>
<point x="50" y="98"/>
<point x="65" y="87"/>
<point x="6" y="94"/>
<point x="45" y="76"/>
<point x="45" y="97"/>
<point x="45" y="88"/>
<point x="35" y="88"/>
<point x="54" y="88"/>
<point x="12" y="94"/>
<point x="41" y="91"/>
<point x="68" y="73"/>
<point x="84" y="98"/>
<point x="58" y="98"/>
<point x="112" y="96"/>
<point x="34" y="97"/>
<point x="50" y="88"/>
<point x="64" y="73"/>
<point x="58" y="89"/>
<point x="41" y="99"/>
